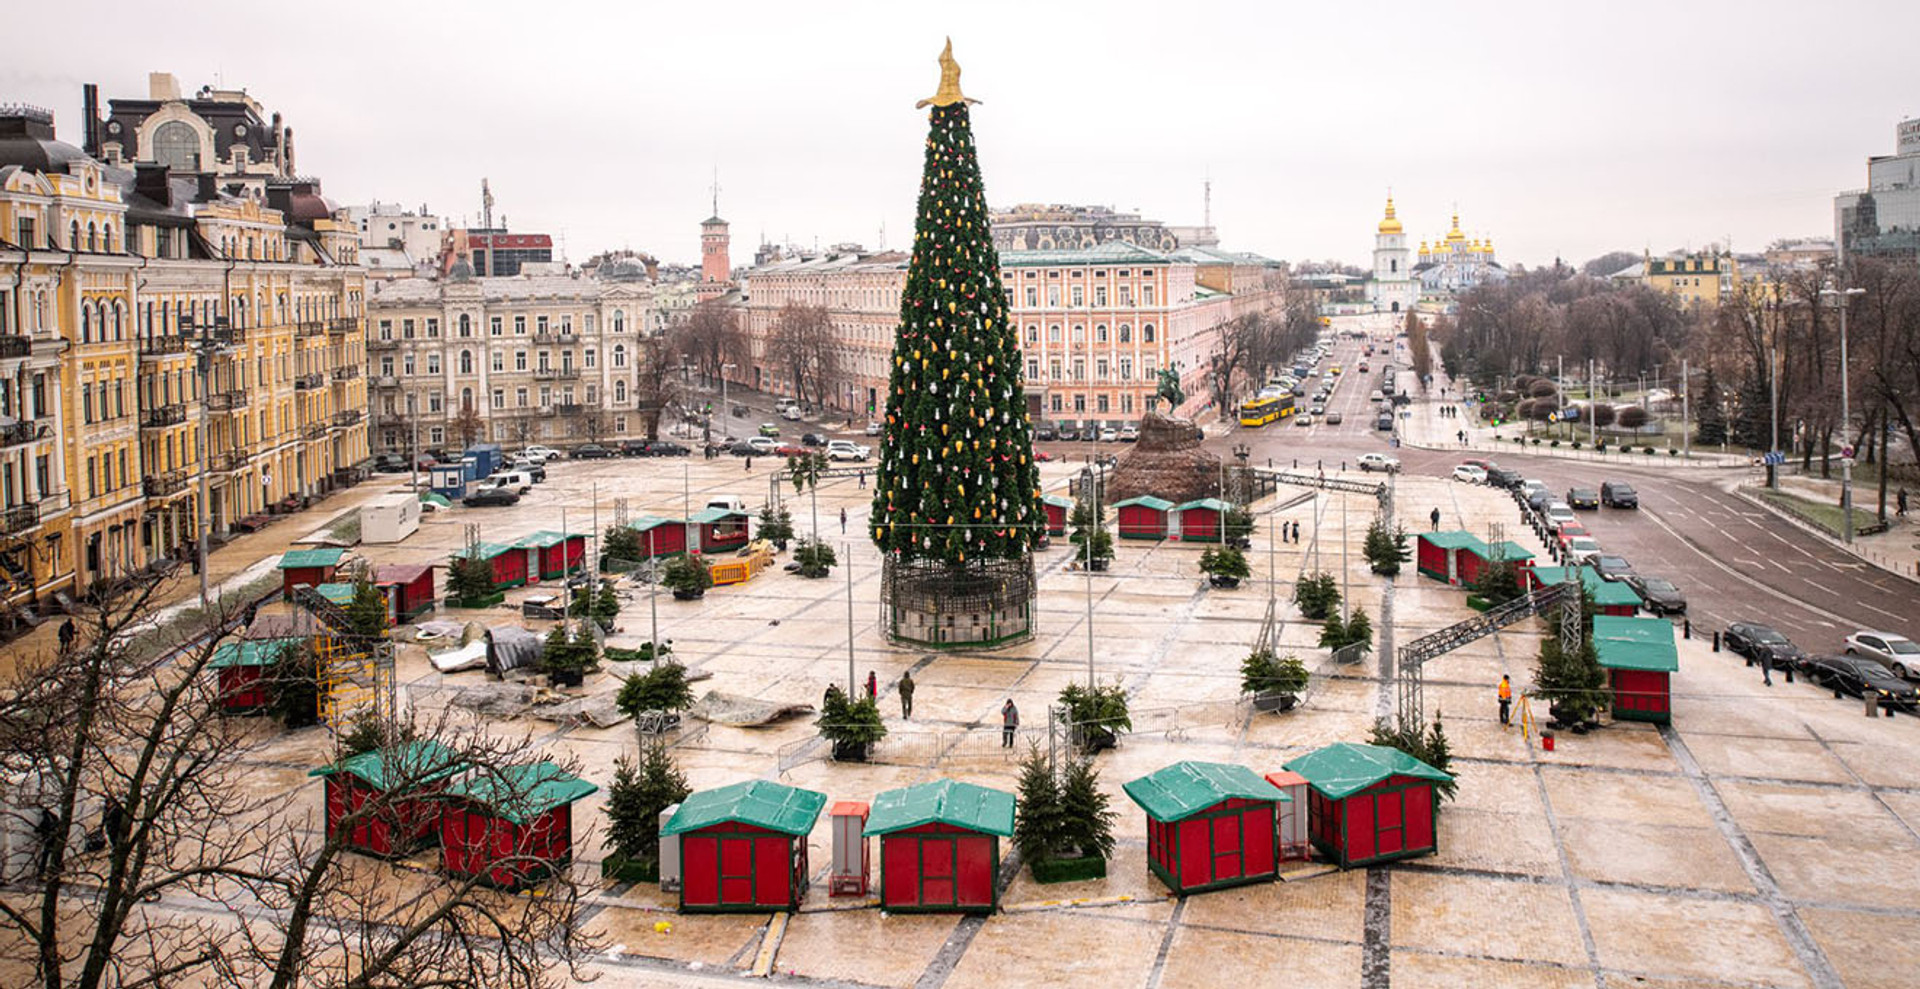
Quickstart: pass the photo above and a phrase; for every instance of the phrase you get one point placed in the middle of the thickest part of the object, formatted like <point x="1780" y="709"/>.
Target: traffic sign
<point x="1846" y="451"/>
<point x="1774" y="458"/>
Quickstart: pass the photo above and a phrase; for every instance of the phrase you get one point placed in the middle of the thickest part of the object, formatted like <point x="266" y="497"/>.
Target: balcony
<point x="159" y="348"/>
<point x="19" y="519"/>
<point x="347" y="418"/>
<point x="308" y="382"/>
<point x="25" y="431"/>
<point x="315" y="430"/>
<point x="566" y="408"/>
<point x="556" y="373"/>
<point x="161" y="485"/>
<point x="227" y="461"/>
<point x="552" y="338"/>
<point x="378" y="344"/>
<point x="384" y="381"/>
<point x="15" y="346"/>
<point x="346" y="372"/>
<point x="227" y="401"/>
<point x="342" y="325"/>
<point x="162" y="416"/>
<point x="309" y="328"/>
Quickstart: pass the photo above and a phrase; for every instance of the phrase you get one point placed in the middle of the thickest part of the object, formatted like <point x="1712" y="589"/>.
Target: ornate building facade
<point x="1044" y="227"/>
<point x="1456" y="263"/>
<point x="1393" y="288"/>
<point x="182" y="221"/>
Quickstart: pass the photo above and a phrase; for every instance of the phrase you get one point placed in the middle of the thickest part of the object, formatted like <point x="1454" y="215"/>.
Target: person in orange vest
<point x="1506" y="699"/>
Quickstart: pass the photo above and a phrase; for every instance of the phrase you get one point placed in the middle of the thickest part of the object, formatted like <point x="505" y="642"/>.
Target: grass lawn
<point x="1827" y="516"/>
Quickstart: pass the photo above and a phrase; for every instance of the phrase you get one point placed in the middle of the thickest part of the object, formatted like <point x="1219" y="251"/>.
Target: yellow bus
<point x="1261" y="411"/>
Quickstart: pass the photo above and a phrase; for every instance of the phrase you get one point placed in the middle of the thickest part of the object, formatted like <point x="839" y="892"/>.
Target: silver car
<point x="1895" y="652"/>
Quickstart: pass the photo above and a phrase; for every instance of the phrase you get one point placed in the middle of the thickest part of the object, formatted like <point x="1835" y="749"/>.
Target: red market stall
<point x="1640" y="658"/>
<point x="718" y="530"/>
<point x="241" y="668"/>
<point x="1209" y="825"/>
<point x="660" y="536"/>
<point x="1058" y="508"/>
<point x="1200" y="521"/>
<point x="1439" y="554"/>
<point x="509" y="565"/>
<point x="940" y="846"/>
<point x="408" y="587"/>
<point x="1144" y="517"/>
<point x="409" y="779"/>
<point x="1610" y="597"/>
<point x="552" y="555"/>
<point x="511" y="827"/>
<point x="1370" y="803"/>
<point x="743" y="848"/>
<point x="1476" y="561"/>
<point x="312" y="567"/>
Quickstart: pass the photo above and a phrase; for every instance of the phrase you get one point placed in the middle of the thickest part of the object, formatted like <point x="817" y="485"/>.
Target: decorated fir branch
<point x="956" y="479"/>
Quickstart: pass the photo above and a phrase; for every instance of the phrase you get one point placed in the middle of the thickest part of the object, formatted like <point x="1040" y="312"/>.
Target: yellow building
<point x="1703" y="278"/>
<point x="117" y="271"/>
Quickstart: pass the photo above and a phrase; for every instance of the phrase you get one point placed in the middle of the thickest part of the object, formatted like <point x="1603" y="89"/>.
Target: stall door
<point x="900" y="870"/>
<point x="1257" y="835"/>
<point x="1229" y="853"/>
<point x="1195" y="848"/>
<point x="939" y="872"/>
<point x="1419" y="811"/>
<point x="771" y="869"/>
<point x="1389" y="824"/>
<point x="1359" y="812"/>
<point x="700" y="870"/>
<point x="736" y="870"/>
<point x="976" y="868"/>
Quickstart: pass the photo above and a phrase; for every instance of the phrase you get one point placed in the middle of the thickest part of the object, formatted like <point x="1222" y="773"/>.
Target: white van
<point x="516" y="481"/>
<point x="731" y="503"/>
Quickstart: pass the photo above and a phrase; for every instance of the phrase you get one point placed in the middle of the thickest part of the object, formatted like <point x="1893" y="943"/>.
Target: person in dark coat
<point x="873" y="686"/>
<point x="1009" y="723"/>
<point x="1436" y="519"/>
<point x="906" y="694"/>
<point x="67" y="634"/>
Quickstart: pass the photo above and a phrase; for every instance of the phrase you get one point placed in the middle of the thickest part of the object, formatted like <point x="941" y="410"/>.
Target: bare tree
<point x="656" y="384"/>
<point x="711" y="335"/>
<point x="1419" y="350"/>
<point x="468" y="425"/>
<point x="803" y="342"/>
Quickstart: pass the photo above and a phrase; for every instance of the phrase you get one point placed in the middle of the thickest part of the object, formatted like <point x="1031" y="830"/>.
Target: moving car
<point x="518" y="482"/>
<point x="591" y="451"/>
<point x="1618" y="494"/>
<point x="769" y="429"/>
<point x="1856" y="676"/>
<point x="1333" y="419"/>
<point x="1318" y="409"/>
<point x="1470" y="474"/>
<point x="791" y="450"/>
<point x="791" y="413"/>
<point x="1895" y="652"/>
<point x="762" y="445"/>
<point x="812" y="439"/>
<point x="1384" y="421"/>
<point x="847" y="450"/>
<point x="540" y="453"/>
<point x="537" y="471"/>
<point x="1380" y="462"/>
<point x="1585" y="498"/>
<point x="1658" y="595"/>
<point x="1611" y="567"/>
<point x="1756" y="641"/>
<point x="744" y="448"/>
<point x="1306" y="420"/>
<point x="489" y="497"/>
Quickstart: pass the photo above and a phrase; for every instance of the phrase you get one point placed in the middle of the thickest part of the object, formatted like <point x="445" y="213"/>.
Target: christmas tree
<point x="956" y="480"/>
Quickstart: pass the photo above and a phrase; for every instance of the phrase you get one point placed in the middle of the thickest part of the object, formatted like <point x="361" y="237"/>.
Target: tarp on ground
<point x="471" y="656"/>
<point x="741" y="711"/>
<point x="511" y="647"/>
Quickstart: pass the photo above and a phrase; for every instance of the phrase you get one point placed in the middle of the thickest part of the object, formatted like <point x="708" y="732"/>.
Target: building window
<point x="499" y="398"/>
<point x="1100" y="333"/>
<point x="520" y="397"/>
<point x="1146" y="332"/>
<point x="519" y="326"/>
<point x="1079" y="369"/>
<point x="1053" y="370"/>
<point x="519" y="360"/>
<point x="1099" y="294"/>
<point x="176" y="146"/>
<point x="620" y="390"/>
<point x="466" y="362"/>
<point x="1126" y="369"/>
<point x="1079" y="333"/>
<point x="619" y="321"/>
<point x="1053" y="333"/>
<point x="1033" y="295"/>
<point x="1053" y="296"/>
<point x="1126" y="295"/>
<point x="1126" y="333"/>
<point x="433" y="328"/>
<point x="406" y="364"/>
<point x="1056" y="403"/>
<point x="386" y="329"/>
<point x="406" y="329"/>
<point x="436" y="435"/>
<point x="619" y="355"/>
<point x="433" y="363"/>
<point x="1100" y="369"/>
<point x="1079" y="295"/>
<point x="493" y="326"/>
<point x="540" y="325"/>
<point x="1146" y="295"/>
<point x="433" y="402"/>
<point x="589" y="358"/>
<point x="1033" y="369"/>
<point x="1100" y="403"/>
<point x="386" y="366"/>
<point x="1080" y="403"/>
<point x="499" y="361"/>
<point x="466" y="326"/>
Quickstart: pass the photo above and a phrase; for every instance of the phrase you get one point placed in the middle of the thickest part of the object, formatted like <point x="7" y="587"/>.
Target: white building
<point x="1393" y="288"/>
<point x="386" y="225"/>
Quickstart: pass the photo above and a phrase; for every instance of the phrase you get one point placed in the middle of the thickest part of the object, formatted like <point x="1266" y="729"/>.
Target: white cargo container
<point x="389" y="519"/>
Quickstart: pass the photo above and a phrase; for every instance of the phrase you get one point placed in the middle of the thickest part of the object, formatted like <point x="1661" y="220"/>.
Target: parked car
<point x="1566" y="533"/>
<point x="537" y="471"/>
<point x="1582" y="550"/>
<point x="1333" y="419"/>
<point x="491" y="497"/>
<point x="1585" y="498"/>
<point x="1618" y="494"/>
<point x="812" y="439"/>
<point x="1895" y="652"/>
<point x="1558" y="514"/>
<point x="1504" y="478"/>
<point x="1539" y="499"/>
<point x="1611" y="567"/>
<point x="791" y="413"/>
<point x="1856" y="676"/>
<point x="848" y="450"/>
<point x="664" y="448"/>
<point x="389" y="463"/>
<point x="769" y="429"/>
<point x="591" y="451"/>
<point x="745" y="448"/>
<point x="1384" y="421"/>
<point x="1384" y="462"/>
<point x="1068" y="434"/>
<point x="762" y="446"/>
<point x="873" y="429"/>
<point x="1129" y="433"/>
<point x="540" y="453"/>
<point x="1760" y="642"/>
<point x="1109" y="435"/>
<point x="1046" y="433"/>
<point x="1658" y="595"/>
<point x="1470" y="474"/>
<point x="1529" y="486"/>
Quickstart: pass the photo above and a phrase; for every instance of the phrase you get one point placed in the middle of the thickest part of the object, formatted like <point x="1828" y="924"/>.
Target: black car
<point x="1582" y="498"/>
<point x="1539" y="500"/>
<point x="1504" y="477"/>
<point x="1611" y="567"/>
<point x="490" y="497"/>
<point x="653" y="448"/>
<point x="742" y="448"/>
<point x="812" y="439"/>
<point x="1658" y="594"/>
<point x="1068" y="434"/>
<point x="390" y="463"/>
<point x="591" y="451"/>
<point x="1853" y="675"/>
<point x="1756" y="641"/>
<point x="1044" y="433"/>
<point x="1618" y="494"/>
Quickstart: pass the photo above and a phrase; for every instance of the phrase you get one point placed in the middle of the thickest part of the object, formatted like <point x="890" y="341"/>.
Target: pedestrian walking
<point x="906" y="694"/>
<point x="1463" y="437"/>
<point x="873" y="686"/>
<point x="1766" y="668"/>
<point x="863" y="480"/>
<point x="67" y="634"/>
<point x="1435" y="517"/>
<point x="1009" y="723"/>
<point x="1900" y="502"/>
<point x="843" y="521"/>
<point x="1296" y="533"/>
<point x="1506" y="700"/>
<point x="749" y="463"/>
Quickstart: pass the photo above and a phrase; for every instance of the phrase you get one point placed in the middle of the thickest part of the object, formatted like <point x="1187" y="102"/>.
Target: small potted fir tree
<point x="637" y="796"/>
<point x="1275" y="682"/>
<point x="568" y="656"/>
<point x="654" y="699"/>
<point x="686" y="575"/>
<point x="1096" y="715"/>
<point x="1225" y="567"/>
<point x="776" y="526"/>
<point x="1090" y="535"/>
<point x="850" y="726"/>
<point x="813" y="558"/>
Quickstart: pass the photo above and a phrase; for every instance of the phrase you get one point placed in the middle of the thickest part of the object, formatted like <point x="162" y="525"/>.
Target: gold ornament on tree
<point x="949" y="93"/>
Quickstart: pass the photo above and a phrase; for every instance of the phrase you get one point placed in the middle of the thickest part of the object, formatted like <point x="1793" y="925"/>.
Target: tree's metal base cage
<point x="982" y="605"/>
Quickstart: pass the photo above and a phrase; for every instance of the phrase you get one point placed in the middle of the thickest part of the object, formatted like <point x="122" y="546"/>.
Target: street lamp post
<point x="1846" y="412"/>
<point x="209" y="340"/>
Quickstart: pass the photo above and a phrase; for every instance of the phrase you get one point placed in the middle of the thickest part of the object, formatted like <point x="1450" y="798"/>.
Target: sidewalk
<point x="1896" y="550"/>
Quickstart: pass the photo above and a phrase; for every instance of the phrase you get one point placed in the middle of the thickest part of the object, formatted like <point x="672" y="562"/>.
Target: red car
<point x="1041" y="456"/>
<point x="1568" y="532"/>
<point x="790" y="450"/>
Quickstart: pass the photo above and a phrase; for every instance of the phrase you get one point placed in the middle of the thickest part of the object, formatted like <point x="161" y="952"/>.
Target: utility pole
<point x="1846" y="446"/>
<point x="1686" y="396"/>
<point x="1093" y="489"/>
<point x="1773" y="385"/>
<point x="847" y="548"/>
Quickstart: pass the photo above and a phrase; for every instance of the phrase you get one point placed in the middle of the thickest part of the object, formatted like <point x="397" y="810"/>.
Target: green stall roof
<point x="423" y="761"/>
<point x="962" y="805"/>
<point x="249" y="652"/>
<point x="1456" y="539"/>
<point x="645" y="522"/>
<point x="1345" y="768"/>
<point x="708" y="516"/>
<point x="544" y="539"/>
<point x="1213" y="503"/>
<point x="1635" y="643"/>
<point x="763" y="804"/>
<point x="326" y="556"/>
<point x="438" y="501"/>
<point x="1145" y="501"/>
<point x="1061" y="501"/>
<point x="1508" y="551"/>
<point x="1184" y="789"/>
<point x="1606" y="593"/>
<point x="485" y="551"/>
<point x="336" y="592"/>
<point x="522" y="793"/>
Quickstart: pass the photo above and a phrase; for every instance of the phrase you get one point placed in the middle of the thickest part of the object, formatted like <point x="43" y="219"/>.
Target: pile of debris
<point x="1167" y="462"/>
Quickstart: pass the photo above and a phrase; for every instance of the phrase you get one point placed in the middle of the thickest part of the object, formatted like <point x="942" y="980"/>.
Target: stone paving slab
<point x="1061" y="947"/>
<point x="1500" y="919"/>
<point x="1857" y="872"/>
<point x="1776" y="758"/>
<point x="1870" y="951"/>
<point x="864" y="946"/>
<point x="1201" y="959"/>
<point x="713" y="940"/>
<point x="1327" y="908"/>
<point x="1651" y="854"/>
<point x="1663" y="936"/>
<point x="1421" y="970"/>
<point x="1623" y="799"/>
<point x="1818" y="812"/>
<point x="1520" y="844"/>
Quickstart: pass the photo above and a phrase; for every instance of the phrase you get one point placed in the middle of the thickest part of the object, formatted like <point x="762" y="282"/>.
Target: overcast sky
<point x="1558" y="129"/>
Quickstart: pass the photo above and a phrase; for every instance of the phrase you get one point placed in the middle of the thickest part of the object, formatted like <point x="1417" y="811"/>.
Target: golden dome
<point x="1389" y="225"/>
<point x="1454" y="236"/>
